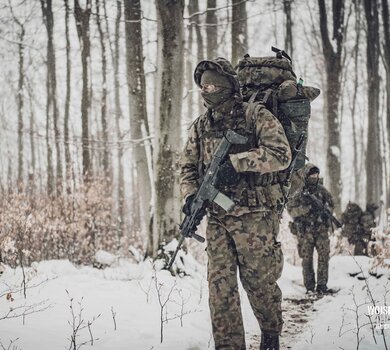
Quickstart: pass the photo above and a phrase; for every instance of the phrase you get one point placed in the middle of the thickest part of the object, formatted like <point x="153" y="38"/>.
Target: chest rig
<point x="251" y="189"/>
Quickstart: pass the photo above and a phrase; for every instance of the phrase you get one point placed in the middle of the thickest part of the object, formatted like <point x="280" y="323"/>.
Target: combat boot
<point x="269" y="341"/>
<point x="323" y="289"/>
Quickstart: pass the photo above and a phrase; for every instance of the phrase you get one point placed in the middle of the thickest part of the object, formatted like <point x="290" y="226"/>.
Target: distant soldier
<point x="311" y="225"/>
<point x="358" y="225"/>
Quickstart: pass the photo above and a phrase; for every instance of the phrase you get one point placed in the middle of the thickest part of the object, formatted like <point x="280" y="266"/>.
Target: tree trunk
<point x="212" y="30"/>
<point x="386" y="54"/>
<point x="68" y="160"/>
<point x="103" y="103"/>
<point x="333" y="80"/>
<point x="48" y="19"/>
<point x="193" y="7"/>
<point x="288" y="38"/>
<point x="20" y="101"/>
<point x="188" y="117"/>
<point x="118" y="117"/>
<point x="356" y="161"/>
<point x="239" y="30"/>
<point x="137" y="106"/>
<point x="82" y="24"/>
<point x="373" y="157"/>
<point x="170" y="63"/>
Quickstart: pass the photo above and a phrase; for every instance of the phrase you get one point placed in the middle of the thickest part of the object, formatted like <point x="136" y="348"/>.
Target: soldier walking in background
<point x="243" y="240"/>
<point x="358" y="225"/>
<point x="312" y="226"/>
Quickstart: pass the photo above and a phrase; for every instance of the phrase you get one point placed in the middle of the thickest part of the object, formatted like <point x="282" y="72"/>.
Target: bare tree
<point x="356" y="80"/>
<point x="103" y="103"/>
<point x="170" y="63"/>
<point x="193" y="8"/>
<point x="137" y="104"/>
<point x="118" y="117"/>
<point x="212" y="29"/>
<point x="82" y="24"/>
<point x="386" y="59"/>
<point x="189" y="71"/>
<point x="239" y="30"/>
<point x="52" y="112"/>
<point x="333" y="68"/>
<point x="288" y="38"/>
<point x="373" y="157"/>
<point x="68" y="161"/>
<point x="19" y="96"/>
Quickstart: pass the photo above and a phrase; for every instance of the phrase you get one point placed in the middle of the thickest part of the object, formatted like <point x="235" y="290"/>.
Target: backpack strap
<point x="200" y="130"/>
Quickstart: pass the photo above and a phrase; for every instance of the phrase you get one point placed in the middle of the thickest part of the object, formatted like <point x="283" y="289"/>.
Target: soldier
<point x="311" y="227"/>
<point x="243" y="239"/>
<point x="358" y="225"/>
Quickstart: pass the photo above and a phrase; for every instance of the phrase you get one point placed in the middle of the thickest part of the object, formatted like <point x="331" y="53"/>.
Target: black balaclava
<point x="312" y="183"/>
<point x="213" y="100"/>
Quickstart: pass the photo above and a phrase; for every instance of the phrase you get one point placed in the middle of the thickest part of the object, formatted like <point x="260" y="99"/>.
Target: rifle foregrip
<point x="198" y="238"/>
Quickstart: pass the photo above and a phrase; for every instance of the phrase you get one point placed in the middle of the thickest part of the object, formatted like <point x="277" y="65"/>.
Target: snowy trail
<point x="297" y="312"/>
<point x="130" y="290"/>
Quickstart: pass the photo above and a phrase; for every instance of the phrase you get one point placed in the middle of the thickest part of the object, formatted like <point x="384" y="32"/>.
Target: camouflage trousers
<point x="308" y="240"/>
<point x="361" y="247"/>
<point x="247" y="245"/>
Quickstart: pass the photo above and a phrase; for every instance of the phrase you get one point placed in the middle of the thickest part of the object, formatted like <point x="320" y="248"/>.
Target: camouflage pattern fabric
<point x="271" y="155"/>
<point x="243" y="240"/>
<point x="357" y="227"/>
<point x="247" y="242"/>
<point x="311" y="229"/>
<point x="308" y="239"/>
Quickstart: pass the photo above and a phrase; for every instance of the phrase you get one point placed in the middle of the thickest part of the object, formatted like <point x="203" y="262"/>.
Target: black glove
<point x="187" y="210"/>
<point x="324" y="218"/>
<point x="305" y="199"/>
<point x="187" y="205"/>
<point x="227" y="175"/>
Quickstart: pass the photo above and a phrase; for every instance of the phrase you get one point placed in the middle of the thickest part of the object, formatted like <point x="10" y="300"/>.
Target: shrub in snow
<point x="74" y="226"/>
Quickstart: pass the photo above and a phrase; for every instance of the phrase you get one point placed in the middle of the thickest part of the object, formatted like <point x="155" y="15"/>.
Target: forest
<point x="97" y="97"/>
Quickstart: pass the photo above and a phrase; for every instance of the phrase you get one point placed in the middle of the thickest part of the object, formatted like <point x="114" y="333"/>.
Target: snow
<point x="104" y="258"/>
<point x="127" y="294"/>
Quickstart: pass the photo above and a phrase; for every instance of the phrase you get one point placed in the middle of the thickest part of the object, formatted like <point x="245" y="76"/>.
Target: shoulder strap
<point x="200" y="129"/>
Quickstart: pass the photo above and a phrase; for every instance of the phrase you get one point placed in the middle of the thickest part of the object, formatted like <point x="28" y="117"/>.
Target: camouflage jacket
<point x="267" y="152"/>
<point x="303" y="211"/>
<point x="357" y="224"/>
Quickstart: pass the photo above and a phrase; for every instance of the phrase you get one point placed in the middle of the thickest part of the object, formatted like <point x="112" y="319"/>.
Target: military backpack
<point x="271" y="81"/>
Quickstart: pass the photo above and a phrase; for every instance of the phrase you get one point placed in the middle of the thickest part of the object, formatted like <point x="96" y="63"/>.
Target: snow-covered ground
<point x="127" y="297"/>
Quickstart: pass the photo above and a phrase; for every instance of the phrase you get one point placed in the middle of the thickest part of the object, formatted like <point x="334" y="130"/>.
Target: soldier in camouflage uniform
<point x="243" y="239"/>
<point x="312" y="228"/>
<point x="358" y="225"/>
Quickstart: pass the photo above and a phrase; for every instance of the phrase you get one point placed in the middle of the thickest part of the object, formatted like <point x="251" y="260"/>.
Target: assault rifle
<point x="207" y="191"/>
<point x="321" y="208"/>
<point x="286" y="184"/>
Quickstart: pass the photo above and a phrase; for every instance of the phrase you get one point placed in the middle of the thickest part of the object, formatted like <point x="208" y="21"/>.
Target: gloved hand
<point x="187" y="205"/>
<point x="227" y="175"/>
<point x="187" y="210"/>
<point x="324" y="218"/>
<point x="305" y="199"/>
